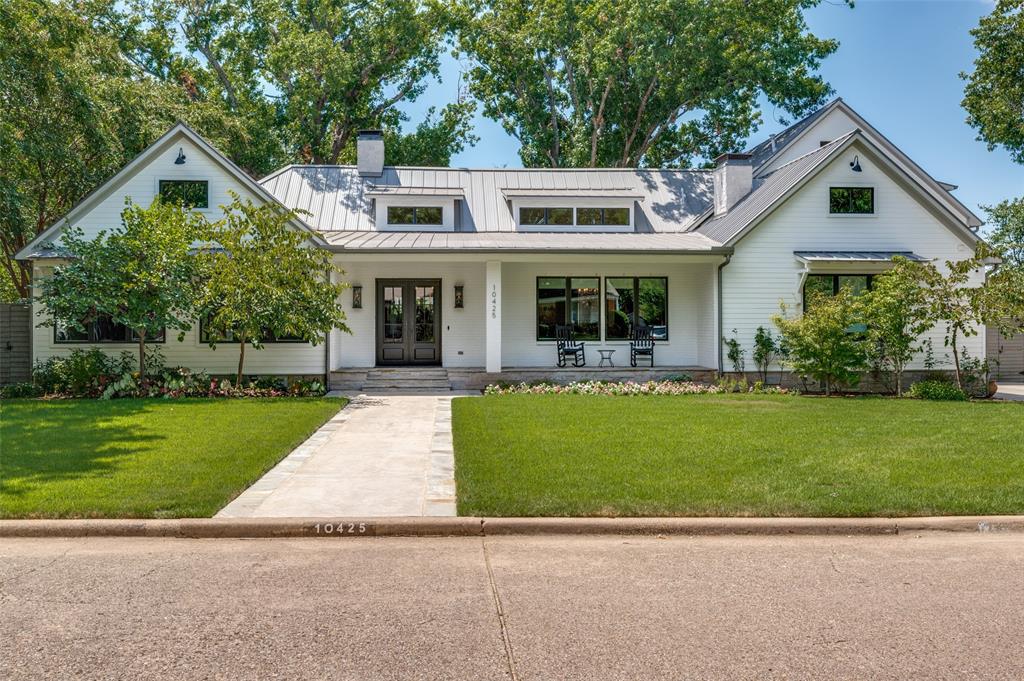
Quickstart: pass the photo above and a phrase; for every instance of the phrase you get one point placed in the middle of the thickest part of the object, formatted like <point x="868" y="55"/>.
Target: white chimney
<point x="733" y="179"/>
<point x="370" y="153"/>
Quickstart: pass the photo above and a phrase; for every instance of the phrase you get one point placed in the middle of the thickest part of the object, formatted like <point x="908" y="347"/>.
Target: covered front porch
<point x="470" y="319"/>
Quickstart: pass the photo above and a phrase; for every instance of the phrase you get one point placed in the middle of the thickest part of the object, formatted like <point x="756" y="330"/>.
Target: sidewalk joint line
<point x="509" y="655"/>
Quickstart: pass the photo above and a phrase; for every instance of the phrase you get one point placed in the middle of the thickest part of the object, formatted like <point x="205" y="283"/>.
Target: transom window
<point x="415" y="215"/>
<point x="101" y="330"/>
<point x="189" y="193"/>
<point x="635" y="303"/>
<point x="851" y="200"/>
<point x="569" y="301"/>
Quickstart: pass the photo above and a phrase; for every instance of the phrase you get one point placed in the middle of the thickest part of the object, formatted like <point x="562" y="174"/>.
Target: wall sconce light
<point x="357" y="297"/>
<point x="855" y="164"/>
<point x="180" y="161"/>
<point x="460" y="301"/>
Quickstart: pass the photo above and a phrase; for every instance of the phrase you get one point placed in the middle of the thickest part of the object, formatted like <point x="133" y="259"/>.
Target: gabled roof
<point x="339" y="199"/>
<point x="765" y="152"/>
<point x="36" y="247"/>
<point x="773" y="189"/>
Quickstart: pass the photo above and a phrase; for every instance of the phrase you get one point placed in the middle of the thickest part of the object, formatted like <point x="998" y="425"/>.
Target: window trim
<point x="874" y="202"/>
<point x="517" y="207"/>
<point x="568" y="287"/>
<point x="415" y="216"/>
<point x="636" y="296"/>
<point x="86" y="341"/>
<point x="205" y="183"/>
<point x="199" y="338"/>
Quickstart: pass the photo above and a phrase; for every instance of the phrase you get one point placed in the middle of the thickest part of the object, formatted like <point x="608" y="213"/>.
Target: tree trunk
<point x="956" y="361"/>
<point x="241" y="360"/>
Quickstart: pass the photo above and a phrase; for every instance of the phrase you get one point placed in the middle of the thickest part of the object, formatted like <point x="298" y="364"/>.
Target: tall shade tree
<point x="1006" y="232"/>
<point x="301" y="76"/>
<point x="995" y="89"/>
<point x="72" y="113"/>
<point x="142" y="275"/>
<point x="589" y="83"/>
<point x="264" y="281"/>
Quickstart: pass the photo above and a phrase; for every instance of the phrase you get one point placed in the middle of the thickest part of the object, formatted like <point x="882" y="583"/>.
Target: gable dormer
<point x="573" y="210"/>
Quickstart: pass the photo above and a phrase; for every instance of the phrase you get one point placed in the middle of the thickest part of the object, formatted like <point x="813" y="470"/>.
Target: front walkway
<point x="379" y="456"/>
<point x="1010" y="391"/>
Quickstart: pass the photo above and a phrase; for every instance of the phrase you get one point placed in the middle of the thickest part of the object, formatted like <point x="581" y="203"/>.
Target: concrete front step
<point x="418" y="385"/>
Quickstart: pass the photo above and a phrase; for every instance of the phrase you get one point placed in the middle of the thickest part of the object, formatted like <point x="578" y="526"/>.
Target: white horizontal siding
<point x="827" y="128"/>
<point x="142" y="187"/>
<point x="763" y="271"/>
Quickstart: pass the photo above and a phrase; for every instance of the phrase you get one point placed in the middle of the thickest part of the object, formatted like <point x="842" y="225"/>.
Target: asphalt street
<point x="931" y="606"/>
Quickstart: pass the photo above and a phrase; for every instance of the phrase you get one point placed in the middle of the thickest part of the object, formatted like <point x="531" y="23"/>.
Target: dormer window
<point x="851" y="200"/>
<point x="415" y="215"/>
<point x="189" y="193"/>
<point x="545" y="216"/>
<point x="602" y="216"/>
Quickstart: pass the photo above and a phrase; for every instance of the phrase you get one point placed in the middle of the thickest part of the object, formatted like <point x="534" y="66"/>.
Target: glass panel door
<point x="424" y="314"/>
<point x="393" y="320"/>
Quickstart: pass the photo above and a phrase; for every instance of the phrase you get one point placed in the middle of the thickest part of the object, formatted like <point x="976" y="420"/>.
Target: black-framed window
<point x="851" y="200"/>
<point x="415" y="215"/>
<point x="569" y="301"/>
<point x="635" y="303"/>
<point x="190" y="193"/>
<point x="545" y="216"/>
<point x="206" y="335"/>
<point x="102" y="330"/>
<point x="602" y="216"/>
<point x="831" y="284"/>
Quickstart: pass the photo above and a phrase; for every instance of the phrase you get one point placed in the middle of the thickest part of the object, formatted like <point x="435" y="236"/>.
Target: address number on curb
<point x="341" y="528"/>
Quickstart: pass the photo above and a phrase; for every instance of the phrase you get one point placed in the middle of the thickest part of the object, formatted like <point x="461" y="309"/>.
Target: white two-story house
<point x="473" y="271"/>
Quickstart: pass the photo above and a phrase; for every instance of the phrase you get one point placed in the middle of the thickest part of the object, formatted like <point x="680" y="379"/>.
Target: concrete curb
<point x="224" y="528"/>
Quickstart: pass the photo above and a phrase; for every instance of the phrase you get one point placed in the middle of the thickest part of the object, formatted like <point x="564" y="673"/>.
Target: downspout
<point x="721" y="363"/>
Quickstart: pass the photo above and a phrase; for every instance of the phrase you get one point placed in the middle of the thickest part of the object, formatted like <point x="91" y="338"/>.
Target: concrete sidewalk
<point x="387" y="455"/>
<point x="1010" y="391"/>
<point x="929" y="606"/>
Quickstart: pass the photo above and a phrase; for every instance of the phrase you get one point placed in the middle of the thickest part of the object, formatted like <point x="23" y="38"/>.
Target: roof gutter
<point x="721" y="363"/>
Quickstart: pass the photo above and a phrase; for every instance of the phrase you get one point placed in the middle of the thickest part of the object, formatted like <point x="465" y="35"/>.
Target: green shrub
<point x="82" y="373"/>
<point x="27" y="389"/>
<point x="937" y="390"/>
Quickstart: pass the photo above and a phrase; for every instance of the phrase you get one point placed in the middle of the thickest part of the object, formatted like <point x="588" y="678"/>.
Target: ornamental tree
<point x="142" y="275"/>
<point x="898" y="311"/>
<point x="263" y="280"/>
<point x="821" y="343"/>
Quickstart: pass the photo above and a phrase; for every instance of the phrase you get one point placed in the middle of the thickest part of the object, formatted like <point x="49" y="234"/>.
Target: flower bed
<point x="665" y="387"/>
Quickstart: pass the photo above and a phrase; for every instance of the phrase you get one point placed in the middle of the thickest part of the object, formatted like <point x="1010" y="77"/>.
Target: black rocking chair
<point x="567" y="347"/>
<point x="642" y="345"/>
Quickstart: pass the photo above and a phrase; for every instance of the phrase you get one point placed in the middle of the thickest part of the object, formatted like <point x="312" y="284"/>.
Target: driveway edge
<point x="239" y="528"/>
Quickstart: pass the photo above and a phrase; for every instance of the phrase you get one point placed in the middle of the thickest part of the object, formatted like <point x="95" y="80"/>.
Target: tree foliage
<point x="302" y="77"/>
<point x="898" y="312"/>
<point x="588" y="83"/>
<point x="820" y="342"/>
<point x="73" y="113"/>
<point x="263" y="279"/>
<point x="1006" y="234"/>
<point x="142" y="275"/>
<point x="995" y="89"/>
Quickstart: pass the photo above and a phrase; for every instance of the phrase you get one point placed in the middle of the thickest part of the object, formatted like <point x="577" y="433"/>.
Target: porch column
<point x="493" y="312"/>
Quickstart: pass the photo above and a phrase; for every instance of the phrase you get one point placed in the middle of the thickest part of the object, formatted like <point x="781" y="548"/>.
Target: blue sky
<point x="897" y="65"/>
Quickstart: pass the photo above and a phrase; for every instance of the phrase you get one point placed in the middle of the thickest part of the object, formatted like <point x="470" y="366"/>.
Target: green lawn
<point x="736" y="455"/>
<point x="143" y="458"/>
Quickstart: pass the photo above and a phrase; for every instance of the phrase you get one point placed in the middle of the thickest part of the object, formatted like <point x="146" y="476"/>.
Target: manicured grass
<point x="736" y="455"/>
<point x="143" y="458"/>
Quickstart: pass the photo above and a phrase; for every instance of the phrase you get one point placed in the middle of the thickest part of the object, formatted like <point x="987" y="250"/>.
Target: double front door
<point x="408" y="321"/>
